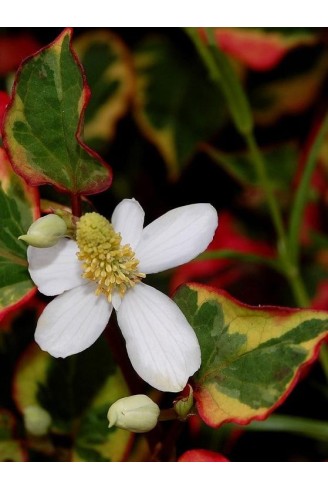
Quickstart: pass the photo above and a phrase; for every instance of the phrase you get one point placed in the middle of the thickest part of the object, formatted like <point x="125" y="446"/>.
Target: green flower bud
<point x="184" y="404"/>
<point x="137" y="413"/>
<point x="45" y="232"/>
<point x="37" y="420"/>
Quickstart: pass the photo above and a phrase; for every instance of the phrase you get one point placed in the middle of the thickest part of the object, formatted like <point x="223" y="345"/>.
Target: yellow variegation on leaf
<point x="251" y="356"/>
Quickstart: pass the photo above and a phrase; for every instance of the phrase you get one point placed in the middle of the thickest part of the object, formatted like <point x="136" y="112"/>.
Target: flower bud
<point x="137" y="413"/>
<point x="184" y="404"/>
<point x="45" y="232"/>
<point x="37" y="420"/>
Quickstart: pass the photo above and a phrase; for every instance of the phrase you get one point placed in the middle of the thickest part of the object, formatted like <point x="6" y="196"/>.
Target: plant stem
<point x="302" y="192"/>
<point x="288" y="247"/>
<point x="264" y="182"/>
<point x="76" y="205"/>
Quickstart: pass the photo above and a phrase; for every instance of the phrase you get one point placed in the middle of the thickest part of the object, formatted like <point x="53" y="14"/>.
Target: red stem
<point x="76" y="205"/>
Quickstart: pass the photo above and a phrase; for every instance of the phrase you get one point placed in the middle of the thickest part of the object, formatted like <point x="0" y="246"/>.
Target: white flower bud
<point x="37" y="420"/>
<point x="45" y="232"/>
<point x="137" y="413"/>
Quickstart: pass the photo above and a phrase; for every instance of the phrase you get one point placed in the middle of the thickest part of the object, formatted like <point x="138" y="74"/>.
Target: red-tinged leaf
<point x="43" y="125"/>
<point x="13" y="49"/>
<point x="252" y="357"/>
<point x="258" y="49"/>
<point x="19" y="207"/>
<point x="109" y="71"/>
<point x="202" y="456"/>
<point x="4" y="101"/>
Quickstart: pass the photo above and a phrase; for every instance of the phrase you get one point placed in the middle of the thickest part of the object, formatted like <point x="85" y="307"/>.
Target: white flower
<point x="161" y="344"/>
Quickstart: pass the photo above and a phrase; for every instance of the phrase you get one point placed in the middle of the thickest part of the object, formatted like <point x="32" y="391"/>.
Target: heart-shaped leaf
<point x="251" y="356"/>
<point x="43" y="125"/>
<point x="108" y="68"/>
<point x="18" y="209"/>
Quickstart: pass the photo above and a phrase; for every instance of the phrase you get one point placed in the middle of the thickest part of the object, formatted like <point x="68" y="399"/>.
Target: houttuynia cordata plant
<point x="157" y="188"/>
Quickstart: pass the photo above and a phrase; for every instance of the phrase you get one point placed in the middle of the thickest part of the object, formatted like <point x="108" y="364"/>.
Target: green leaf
<point x="251" y="356"/>
<point x="43" y="126"/>
<point x="94" y="441"/>
<point x="18" y="209"/>
<point x="177" y="106"/>
<point x="108" y="67"/>
<point x="77" y="393"/>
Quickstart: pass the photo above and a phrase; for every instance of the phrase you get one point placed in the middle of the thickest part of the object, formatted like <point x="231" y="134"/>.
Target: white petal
<point x="176" y="237"/>
<point x="161" y="345"/>
<point x="55" y="269"/>
<point x="127" y="219"/>
<point x="73" y="321"/>
<point x="116" y="300"/>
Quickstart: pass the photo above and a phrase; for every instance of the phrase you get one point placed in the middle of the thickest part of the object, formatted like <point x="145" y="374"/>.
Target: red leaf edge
<point x="283" y="311"/>
<point x="35" y="198"/>
<point x="86" y="92"/>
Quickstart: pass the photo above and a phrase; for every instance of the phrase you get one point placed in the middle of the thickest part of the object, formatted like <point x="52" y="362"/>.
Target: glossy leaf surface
<point x="44" y="123"/>
<point x="251" y="356"/>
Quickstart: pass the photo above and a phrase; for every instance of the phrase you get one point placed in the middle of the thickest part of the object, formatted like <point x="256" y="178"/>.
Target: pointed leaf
<point x="177" y="106"/>
<point x="108" y="68"/>
<point x="44" y="123"/>
<point x="251" y="356"/>
<point x="18" y="209"/>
